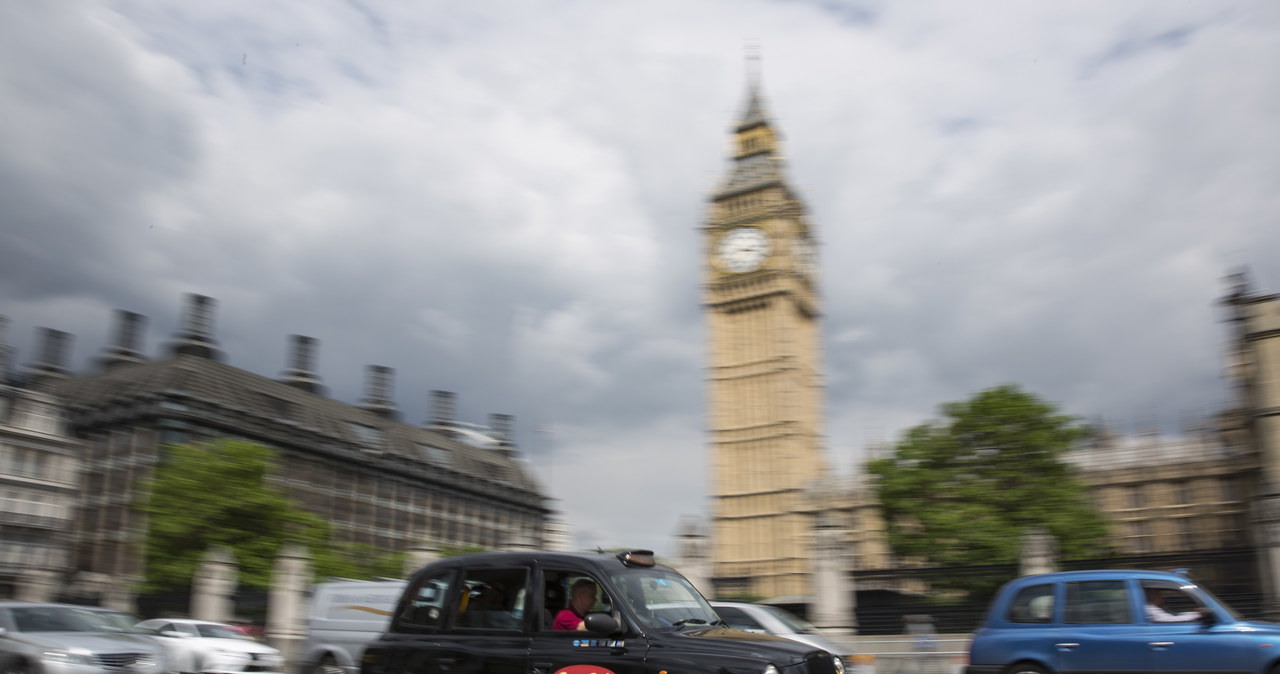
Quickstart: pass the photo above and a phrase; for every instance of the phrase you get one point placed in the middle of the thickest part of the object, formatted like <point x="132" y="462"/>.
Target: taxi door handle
<point x="1066" y="645"/>
<point x="542" y="667"/>
<point x="446" y="663"/>
<point x="1160" y="644"/>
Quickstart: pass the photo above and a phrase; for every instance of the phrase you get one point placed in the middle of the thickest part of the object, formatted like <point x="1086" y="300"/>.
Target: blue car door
<point x="1194" y="647"/>
<point x="1099" y="633"/>
<point x="1179" y="638"/>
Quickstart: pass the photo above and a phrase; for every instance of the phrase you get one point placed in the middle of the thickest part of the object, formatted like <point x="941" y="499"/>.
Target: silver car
<point x="204" y="646"/>
<point x="765" y="619"/>
<point x="38" y="638"/>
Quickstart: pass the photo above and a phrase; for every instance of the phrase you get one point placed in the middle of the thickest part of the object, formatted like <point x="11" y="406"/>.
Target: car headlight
<point x="72" y="657"/>
<point x="770" y="669"/>
<point x="837" y="663"/>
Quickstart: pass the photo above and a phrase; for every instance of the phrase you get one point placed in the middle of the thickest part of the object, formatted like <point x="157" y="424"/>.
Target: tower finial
<point x="753" y="114"/>
<point x="753" y="63"/>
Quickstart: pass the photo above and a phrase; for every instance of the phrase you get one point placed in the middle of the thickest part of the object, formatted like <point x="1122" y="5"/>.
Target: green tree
<point x="461" y="550"/>
<point x="218" y="493"/>
<point x="963" y="490"/>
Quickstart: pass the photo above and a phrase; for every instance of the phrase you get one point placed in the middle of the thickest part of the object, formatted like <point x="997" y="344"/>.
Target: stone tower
<point x="764" y="387"/>
<point x="1254" y="420"/>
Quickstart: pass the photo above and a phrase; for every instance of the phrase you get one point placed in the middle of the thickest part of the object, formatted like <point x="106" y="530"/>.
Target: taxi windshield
<point x="663" y="599"/>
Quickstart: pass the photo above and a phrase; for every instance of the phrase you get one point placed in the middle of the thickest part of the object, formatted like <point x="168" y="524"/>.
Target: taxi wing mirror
<point x="174" y="633"/>
<point x="600" y="623"/>
<point x="1208" y="617"/>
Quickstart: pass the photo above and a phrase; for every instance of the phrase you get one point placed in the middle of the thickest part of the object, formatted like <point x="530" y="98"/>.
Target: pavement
<point x="907" y="653"/>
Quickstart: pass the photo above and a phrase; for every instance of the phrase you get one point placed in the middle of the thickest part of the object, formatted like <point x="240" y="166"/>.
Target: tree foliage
<point x="218" y="493"/>
<point x="962" y="491"/>
<point x="454" y="551"/>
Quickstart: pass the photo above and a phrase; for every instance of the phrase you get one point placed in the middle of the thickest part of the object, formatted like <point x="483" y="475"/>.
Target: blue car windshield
<point x="1221" y="604"/>
<point x="662" y="599"/>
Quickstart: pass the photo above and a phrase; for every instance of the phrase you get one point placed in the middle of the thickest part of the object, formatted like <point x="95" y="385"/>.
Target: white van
<point x="344" y="616"/>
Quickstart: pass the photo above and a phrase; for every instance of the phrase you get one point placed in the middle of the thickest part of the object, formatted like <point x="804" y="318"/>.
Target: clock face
<point x="743" y="249"/>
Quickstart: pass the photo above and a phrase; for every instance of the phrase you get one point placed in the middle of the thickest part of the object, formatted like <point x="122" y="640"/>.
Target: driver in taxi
<point x="582" y="596"/>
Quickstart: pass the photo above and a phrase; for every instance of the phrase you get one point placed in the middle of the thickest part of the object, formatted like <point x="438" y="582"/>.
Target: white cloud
<point x="502" y="199"/>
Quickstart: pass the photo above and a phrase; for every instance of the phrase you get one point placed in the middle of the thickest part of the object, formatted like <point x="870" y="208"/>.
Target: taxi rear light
<point x="637" y="557"/>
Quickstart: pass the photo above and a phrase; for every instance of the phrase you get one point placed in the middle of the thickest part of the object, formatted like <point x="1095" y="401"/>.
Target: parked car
<point x="1130" y="621"/>
<point x="43" y="638"/>
<point x="121" y="621"/>
<point x="118" y="621"/>
<point x="203" y="646"/>
<point x="765" y="619"/>
<point x="498" y="611"/>
<point x="343" y="618"/>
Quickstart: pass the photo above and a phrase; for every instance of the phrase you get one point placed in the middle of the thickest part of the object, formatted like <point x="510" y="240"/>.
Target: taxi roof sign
<point x="636" y="557"/>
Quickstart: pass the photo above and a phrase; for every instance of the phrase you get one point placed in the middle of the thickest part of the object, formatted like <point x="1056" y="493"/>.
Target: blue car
<point x="1117" y="621"/>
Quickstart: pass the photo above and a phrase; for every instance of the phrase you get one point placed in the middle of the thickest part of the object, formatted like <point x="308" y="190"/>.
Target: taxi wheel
<point x="1027" y="668"/>
<point x="327" y="666"/>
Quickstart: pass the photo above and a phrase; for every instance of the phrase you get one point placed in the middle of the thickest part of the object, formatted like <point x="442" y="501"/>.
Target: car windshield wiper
<point x="688" y="621"/>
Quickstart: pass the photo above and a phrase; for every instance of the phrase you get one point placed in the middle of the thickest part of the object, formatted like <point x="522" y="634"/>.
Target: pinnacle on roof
<point x="757" y="162"/>
<point x="754" y="114"/>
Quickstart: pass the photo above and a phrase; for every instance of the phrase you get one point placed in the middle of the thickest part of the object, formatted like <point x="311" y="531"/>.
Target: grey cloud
<point x="506" y="203"/>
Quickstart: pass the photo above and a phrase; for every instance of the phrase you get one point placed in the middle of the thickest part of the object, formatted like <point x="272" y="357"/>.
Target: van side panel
<point x="344" y="617"/>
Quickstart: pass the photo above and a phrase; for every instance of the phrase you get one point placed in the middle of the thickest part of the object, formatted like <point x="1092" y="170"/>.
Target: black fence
<point x="887" y="599"/>
<point x="250" y="605"/>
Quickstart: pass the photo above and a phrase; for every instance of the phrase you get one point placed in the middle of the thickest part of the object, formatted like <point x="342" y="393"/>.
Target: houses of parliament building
<point x="1207" y="498"/>
<point x="77" y="449"/>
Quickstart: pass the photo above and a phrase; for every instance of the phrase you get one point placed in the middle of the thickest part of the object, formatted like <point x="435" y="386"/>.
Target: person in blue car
<point x="1156" y="613"/>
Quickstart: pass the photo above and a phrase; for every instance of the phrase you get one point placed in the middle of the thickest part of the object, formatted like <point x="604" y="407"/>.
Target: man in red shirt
<point x="582" y="596"/>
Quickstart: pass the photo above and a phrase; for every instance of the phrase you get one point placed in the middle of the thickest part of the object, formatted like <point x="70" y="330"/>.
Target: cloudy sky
<point x="502" y="199"/>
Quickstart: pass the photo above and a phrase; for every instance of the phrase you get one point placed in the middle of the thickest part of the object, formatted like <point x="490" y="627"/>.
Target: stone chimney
<point x="196" y="336"/>
<point x="126" y="349"/>
<point x="6" y="353"/>
<point x="302" y="358"/>
<point x="444" y="407"/>
<point x="377" y="391"/>
<point x="500" y="426"/>
<point x="52" y="365"/>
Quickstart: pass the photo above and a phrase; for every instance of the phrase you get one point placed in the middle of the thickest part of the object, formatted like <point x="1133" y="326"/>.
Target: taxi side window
<point x="424" y="601"/>
<point x="1097" y="602"/>
<point x="492" y="599"/>
<point x="557" y="586"/>
<point x="1032" y="604"/>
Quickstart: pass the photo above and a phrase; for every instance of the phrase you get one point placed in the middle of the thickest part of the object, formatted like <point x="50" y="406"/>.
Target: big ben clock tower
<point x="765" y="393"/>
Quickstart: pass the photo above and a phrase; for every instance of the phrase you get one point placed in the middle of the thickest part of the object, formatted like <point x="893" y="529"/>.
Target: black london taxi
<point x="498" y="612"/>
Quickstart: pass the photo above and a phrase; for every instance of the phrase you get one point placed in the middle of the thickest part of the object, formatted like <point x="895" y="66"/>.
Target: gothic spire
<point x="756" y="159"/>
<point x="754" y="113"/>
